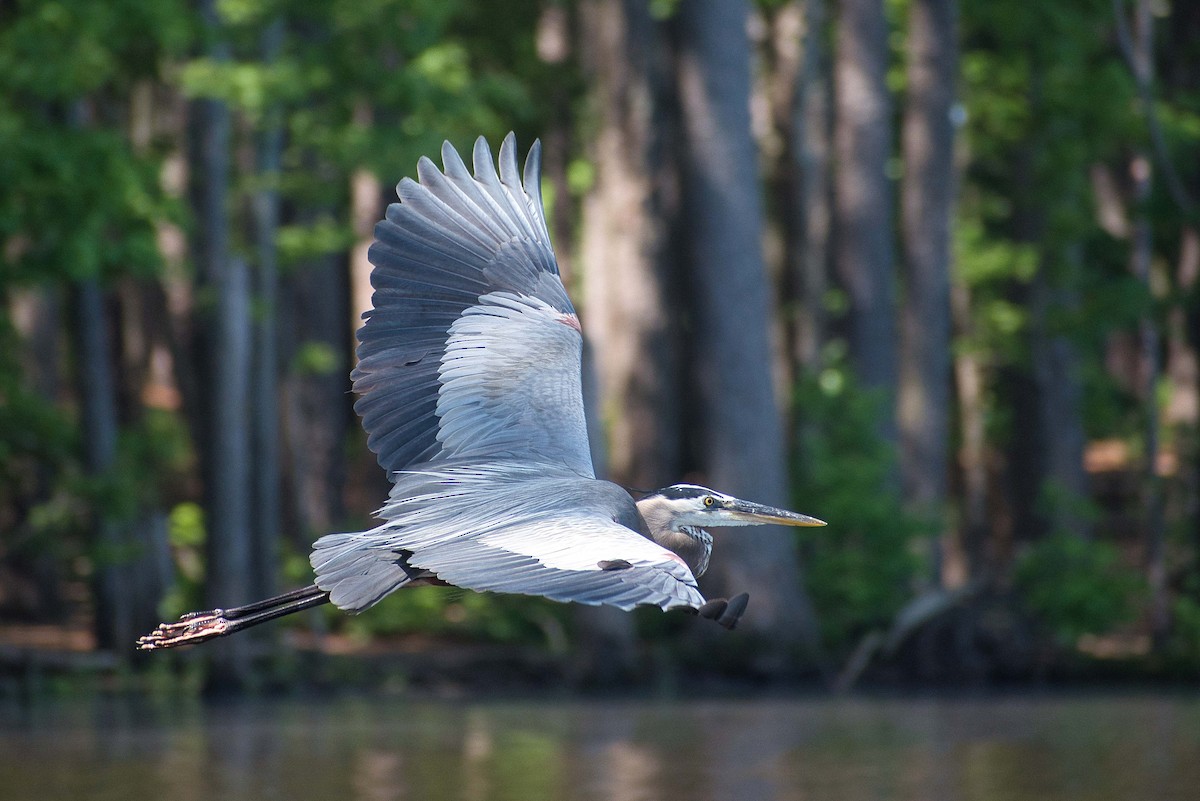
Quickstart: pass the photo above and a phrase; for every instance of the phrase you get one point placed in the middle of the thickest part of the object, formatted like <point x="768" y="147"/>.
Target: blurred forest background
<point x="926" y="269"/>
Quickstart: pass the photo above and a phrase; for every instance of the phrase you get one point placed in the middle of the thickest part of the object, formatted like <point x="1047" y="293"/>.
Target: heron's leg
<point x="197" y="627"/>
<point x="235" y="612"/>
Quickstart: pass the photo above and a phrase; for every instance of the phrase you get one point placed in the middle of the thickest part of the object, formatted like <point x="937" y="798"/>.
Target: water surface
<point x="1133" y="748"/>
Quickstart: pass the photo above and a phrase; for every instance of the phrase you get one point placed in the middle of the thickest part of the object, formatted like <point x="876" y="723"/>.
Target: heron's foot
<point x="726" y="612"/>
<point x="194" y="627"/>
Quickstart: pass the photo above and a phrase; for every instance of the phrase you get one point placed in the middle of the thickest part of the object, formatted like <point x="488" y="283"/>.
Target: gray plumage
<point x="473" y="255"/>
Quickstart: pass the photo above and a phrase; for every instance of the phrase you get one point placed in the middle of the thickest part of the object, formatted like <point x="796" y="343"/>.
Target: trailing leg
<point x="197" y="627"/>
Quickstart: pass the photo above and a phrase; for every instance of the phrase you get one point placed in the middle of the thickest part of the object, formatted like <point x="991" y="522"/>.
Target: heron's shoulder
<point x="619" y="504"/>
<point x="584" y="494"/>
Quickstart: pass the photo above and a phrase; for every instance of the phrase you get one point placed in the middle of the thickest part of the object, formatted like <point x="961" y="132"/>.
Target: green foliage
<point x="1075" y="586"/>
<point x="1185" y="639"/>
<point x="76" y="200"/>
<point x="153" y="455"/>
<point x="76" y="203"/>
<point x="1044" y="99"/>
<point x="313" y="238"/>
<point x="315" y="358"/>
<point x="862" y="568"/>
<point x="53" y="50"/>
<point x="186" y="535"/>
<point x="449" y="611"/>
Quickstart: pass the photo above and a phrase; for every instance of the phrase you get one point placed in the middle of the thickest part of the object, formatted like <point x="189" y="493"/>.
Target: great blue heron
<point x="469" y="384"/>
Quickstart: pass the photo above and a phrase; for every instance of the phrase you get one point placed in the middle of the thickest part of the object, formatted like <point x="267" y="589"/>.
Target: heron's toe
<point x="192" y="628"/>
<point x="733" y="611"/>
<point x="713" y="609"/>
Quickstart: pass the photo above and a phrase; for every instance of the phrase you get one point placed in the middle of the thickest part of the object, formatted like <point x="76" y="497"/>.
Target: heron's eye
<point x="709" y="501"/>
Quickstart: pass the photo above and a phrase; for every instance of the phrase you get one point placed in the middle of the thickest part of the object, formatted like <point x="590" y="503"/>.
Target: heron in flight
<point x="468" y="379"/>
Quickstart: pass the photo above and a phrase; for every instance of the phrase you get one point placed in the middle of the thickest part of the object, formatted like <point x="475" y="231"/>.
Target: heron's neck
<point x="691" y="544"/>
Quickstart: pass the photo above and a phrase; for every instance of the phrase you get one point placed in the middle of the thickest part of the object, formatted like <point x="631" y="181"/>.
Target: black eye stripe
<point x="683" y="491"/>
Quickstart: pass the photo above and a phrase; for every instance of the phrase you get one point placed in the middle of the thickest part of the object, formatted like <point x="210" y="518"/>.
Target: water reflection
<point x="1128" y="748"/>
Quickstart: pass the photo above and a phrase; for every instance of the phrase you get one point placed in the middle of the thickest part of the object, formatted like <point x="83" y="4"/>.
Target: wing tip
<point x="532" y="178"/>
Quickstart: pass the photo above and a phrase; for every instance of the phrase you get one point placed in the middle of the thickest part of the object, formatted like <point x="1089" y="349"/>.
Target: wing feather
<point x="508" y="528"/>
<point x="434" y="386"/>
<point x="560" y="559"/>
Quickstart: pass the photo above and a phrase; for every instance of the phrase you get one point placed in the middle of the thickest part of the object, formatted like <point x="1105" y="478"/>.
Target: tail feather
<point x="355" y="575"/>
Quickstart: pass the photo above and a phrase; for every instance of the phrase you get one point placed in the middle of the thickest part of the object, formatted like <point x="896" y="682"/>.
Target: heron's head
<point x="687" y="506"/>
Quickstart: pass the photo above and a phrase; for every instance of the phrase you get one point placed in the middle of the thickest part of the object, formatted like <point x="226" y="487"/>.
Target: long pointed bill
<point x="758" y="513"/>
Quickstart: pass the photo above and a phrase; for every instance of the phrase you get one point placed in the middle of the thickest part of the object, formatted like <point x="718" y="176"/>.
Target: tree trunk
<point x="628" y="269"/>
<point x="795" y="86"/>
<point x="627" y="254"/>
<point x="266" y="213"/>
<point x="1184" y="412"/>
<point x="927" y="205"/>
<point x="741" y="441"/>
<point x="1045" y="471"/>
<point x="970" y="381"/>
<point x="114" y="625"/>
<point x="1058" y="375"/>
<point x="1141" y="55"/>
<point x="144" y="381"/>
<point x="225" y="439"/>
<point x="366" y="195"/>
<point x="316" y="395"/>
<point x="229" y="551"/>
<point x="810" y="146"/>
<point x="862" y="197"/>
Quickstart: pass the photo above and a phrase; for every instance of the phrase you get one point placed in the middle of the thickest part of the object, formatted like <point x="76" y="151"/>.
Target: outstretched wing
<point x="506" y="528"/>
<point x="567" y="558"/>
<point x="472" y="350"/>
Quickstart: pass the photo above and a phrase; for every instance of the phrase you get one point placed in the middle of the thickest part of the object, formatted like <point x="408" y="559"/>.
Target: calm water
<point x="1016" y="749"/>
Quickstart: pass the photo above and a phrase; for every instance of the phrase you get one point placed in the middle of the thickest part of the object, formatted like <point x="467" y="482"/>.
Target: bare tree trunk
<point x="810" y="149"/>
<point x="795" y="86"/>
<point x="927" y="205"/>
<point x="1141" y="54"/>
<point x="316" y="399"/>
<point x="628" y="273"/>
<point x="1058" y="376"/>
<point x="742" y="442"/>
<point x="229" y="551"/>
<point x="627" y="254"/>
<point x="970" y="382"/>
<point x="862" y="196"/>
<point x="1045" y="472"/>
<point x="365" y="201"/>
<point x="1188" y="273"/>
<point x="555" y="25"/>
<point x="114" y="624"/>
<point x="266" y="213"/>
<point x="1183" y="363"/>
<point x="226" y="439"/>
<point x="143" y="380"/>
